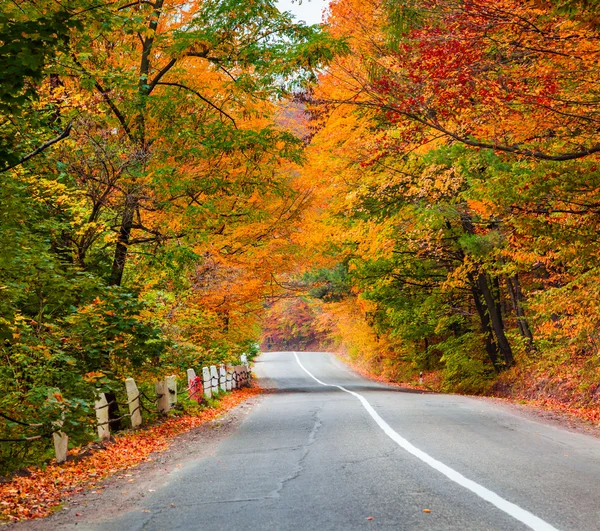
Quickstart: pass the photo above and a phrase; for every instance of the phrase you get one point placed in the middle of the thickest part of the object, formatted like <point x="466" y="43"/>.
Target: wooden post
<point x="206" y="383"/>
<point x="102" y="417"/>
<point x="134" y="403"/>
<point x="230" y="382"/>
<point x="172" y="390"/>
<point x="214" y="378"/>
<point x="228" y="379"/>
<point x="61" y="443"/>
<point x="191" y="374"/>
<point x="162" y="395"/>
<point x="222" y="378"/>
<point x="60" y="438"/>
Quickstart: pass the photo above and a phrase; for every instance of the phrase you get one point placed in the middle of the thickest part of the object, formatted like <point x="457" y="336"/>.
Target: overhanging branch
<point x="195" y="92"/>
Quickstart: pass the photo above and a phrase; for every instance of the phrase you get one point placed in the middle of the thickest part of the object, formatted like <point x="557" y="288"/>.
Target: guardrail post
<point x="222" y="378"/>
<point x="61" y="443"/>
<point x="214" y="378"/>
<point x="102" y="417"/>
<point x="134" y="403"/>
<point x="171" y="382"/>
<point x="228" y="378"/>
<point x="162" y="395"/>
<point x="60" y="438"/>
<point x="206" y="383"/>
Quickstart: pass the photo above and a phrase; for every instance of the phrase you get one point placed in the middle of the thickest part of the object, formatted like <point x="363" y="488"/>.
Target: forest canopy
<point x="413" y="183"/>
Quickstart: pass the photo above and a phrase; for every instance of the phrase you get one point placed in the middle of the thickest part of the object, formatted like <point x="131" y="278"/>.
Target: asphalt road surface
<point x="328" y="449"/>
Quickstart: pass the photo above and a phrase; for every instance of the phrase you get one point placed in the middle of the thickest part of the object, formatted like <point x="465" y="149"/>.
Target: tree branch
<point x="516" y="150"/>
<point x="160" y="74"/>
<point x="43" y="147"/>
<point x="208" y="102"/>
<point x="137" y="3"/>
<point x="107" y="99"/>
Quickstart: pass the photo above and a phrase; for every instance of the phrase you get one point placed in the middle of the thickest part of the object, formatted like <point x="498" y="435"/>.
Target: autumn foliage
<point x="150" y="196"/>
<point x="423" y="175"/>
<point x="458" y="148"/>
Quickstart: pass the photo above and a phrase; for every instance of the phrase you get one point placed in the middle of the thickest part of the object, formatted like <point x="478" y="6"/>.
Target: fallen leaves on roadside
<point x="426" y="510"/>
<point x="36" y="495"/>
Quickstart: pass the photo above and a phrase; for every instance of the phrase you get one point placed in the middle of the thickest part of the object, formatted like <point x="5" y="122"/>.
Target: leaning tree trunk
<point x="516" y="298"/>
<point x="491" y="346"/>
<point x="116" y="277"/>
<point x="118" y="267"/>
<point x="495" y="319"/>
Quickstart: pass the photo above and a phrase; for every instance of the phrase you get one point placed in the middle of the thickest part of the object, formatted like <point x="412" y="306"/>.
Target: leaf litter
<point x="42" y="491"/>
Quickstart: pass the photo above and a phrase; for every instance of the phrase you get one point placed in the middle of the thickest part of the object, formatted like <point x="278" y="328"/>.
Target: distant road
<point x="330" y="450"/>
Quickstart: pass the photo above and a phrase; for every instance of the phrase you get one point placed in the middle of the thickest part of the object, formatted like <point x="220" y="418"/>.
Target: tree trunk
<point x="490" y="306"/>
<point x="516" y="297"/>
<point x="120" y="258"/>
<point x="495" y="319"/>
<point x="490" y="344"/>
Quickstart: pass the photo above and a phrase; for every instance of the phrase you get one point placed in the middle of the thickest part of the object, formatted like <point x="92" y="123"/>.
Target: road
<point x="330" y="450"/>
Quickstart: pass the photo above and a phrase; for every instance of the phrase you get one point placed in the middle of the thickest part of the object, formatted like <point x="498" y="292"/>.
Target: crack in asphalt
<point x="385" y="455"/>
<point x="312" y="437"/>
<point x="274" y="494"/>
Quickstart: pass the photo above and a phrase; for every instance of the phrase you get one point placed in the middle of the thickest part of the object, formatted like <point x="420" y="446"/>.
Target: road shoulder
<point x="126" y="489"/>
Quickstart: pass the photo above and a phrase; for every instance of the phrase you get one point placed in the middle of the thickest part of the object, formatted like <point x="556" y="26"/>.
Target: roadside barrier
<point x="199" y="388"/>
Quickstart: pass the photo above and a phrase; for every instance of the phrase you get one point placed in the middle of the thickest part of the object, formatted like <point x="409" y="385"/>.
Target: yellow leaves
<point x="458" y="277"/>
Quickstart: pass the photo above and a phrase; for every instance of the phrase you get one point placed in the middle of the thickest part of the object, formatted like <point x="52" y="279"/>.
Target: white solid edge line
<point x="509" y="508"/>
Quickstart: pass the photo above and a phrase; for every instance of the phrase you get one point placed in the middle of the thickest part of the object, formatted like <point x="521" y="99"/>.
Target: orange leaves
<point x="41" y="491"/>
<point x="91" y="377"/>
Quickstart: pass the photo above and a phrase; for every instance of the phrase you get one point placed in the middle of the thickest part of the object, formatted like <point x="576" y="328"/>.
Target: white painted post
<point x="61" y="443"/>
<point x="191" y="374"/>
<point x="222" y="378"/>
<point x="244" y="359"/>
<point x="134" y="403"/>
<point x="214" y="377"/>
<point x="172" y="390"/>
<point x="206" y="382"/>
<point x="102" y="417"/>
<point x="162" y="395"/>
<point x="60" y="438"/>
<point x="229" y="378"/>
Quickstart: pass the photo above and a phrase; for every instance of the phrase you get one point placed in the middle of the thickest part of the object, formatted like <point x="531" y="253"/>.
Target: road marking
<point x="509" y="508"/>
